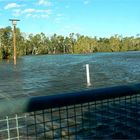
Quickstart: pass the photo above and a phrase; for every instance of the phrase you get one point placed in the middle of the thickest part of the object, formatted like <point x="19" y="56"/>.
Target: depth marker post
<point x="88" y="75"/>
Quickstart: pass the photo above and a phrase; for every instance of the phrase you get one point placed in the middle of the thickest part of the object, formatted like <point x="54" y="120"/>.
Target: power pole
<point x="14" y="23"/>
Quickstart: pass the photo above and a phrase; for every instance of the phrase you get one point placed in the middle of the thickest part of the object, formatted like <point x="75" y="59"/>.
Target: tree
<point x="114" y="43"/>
<point x="6" y="42"/>
<point x="74" y="43"/>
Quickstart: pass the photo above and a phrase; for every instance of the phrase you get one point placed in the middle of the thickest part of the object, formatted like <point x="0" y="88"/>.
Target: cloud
<point x="36" y="13"/>
<point x="60" y="17"/>
<point x="44" y="2"/>
<point x="86" y="2"/>
<point x="16" y="12"/>
<point x="67" y="6"/>
<point x="24" y="11"/>
<point x="11" y="5"/>
<point x="31" y="10"/>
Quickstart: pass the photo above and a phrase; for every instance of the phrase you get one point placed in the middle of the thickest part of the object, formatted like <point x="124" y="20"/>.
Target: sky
<point x="100" y="18"/>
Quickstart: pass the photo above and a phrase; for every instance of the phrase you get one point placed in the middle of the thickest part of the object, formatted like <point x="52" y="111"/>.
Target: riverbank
<point x="33" y="44"/>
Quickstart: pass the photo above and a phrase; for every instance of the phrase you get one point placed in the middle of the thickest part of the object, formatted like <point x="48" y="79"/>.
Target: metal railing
<point x="106" y="113"/>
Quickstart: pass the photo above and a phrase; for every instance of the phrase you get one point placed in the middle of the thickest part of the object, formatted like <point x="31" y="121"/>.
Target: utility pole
<point x="14" y="23"/>
<point x="0" y="39"/>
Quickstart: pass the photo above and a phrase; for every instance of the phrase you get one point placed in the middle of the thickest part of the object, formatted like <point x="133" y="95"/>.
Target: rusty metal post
<point x="14" y="44"/>
<point x="14" y="23"/>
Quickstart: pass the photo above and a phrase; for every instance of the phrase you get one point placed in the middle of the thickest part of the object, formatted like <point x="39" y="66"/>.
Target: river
<point x="55" y="74"/>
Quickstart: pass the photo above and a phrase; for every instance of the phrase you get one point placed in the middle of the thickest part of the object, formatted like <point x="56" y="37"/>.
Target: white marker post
<point x="88" y="75"/>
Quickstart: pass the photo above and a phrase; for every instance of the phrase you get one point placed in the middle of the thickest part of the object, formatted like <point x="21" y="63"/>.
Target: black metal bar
<point x="45" y="102"/>
<point x="23" y="105"/>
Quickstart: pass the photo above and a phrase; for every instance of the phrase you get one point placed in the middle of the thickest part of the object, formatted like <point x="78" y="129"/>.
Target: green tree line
<point x="33" y="44"/>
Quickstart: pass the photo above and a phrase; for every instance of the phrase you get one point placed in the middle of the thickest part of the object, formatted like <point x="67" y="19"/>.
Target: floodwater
<point x="55" y="74"/>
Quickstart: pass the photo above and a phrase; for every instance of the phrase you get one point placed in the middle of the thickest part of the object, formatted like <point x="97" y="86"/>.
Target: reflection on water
<point x="51" y="74"/>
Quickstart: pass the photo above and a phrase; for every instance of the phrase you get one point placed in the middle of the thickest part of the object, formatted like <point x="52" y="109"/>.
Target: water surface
<point x="54" y="74"/>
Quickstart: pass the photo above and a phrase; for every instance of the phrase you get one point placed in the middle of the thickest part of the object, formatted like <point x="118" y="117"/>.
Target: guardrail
<point x="107" y="113"/>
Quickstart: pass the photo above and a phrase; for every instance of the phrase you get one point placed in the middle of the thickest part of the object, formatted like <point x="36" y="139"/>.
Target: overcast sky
<point x="101" y="18"/>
